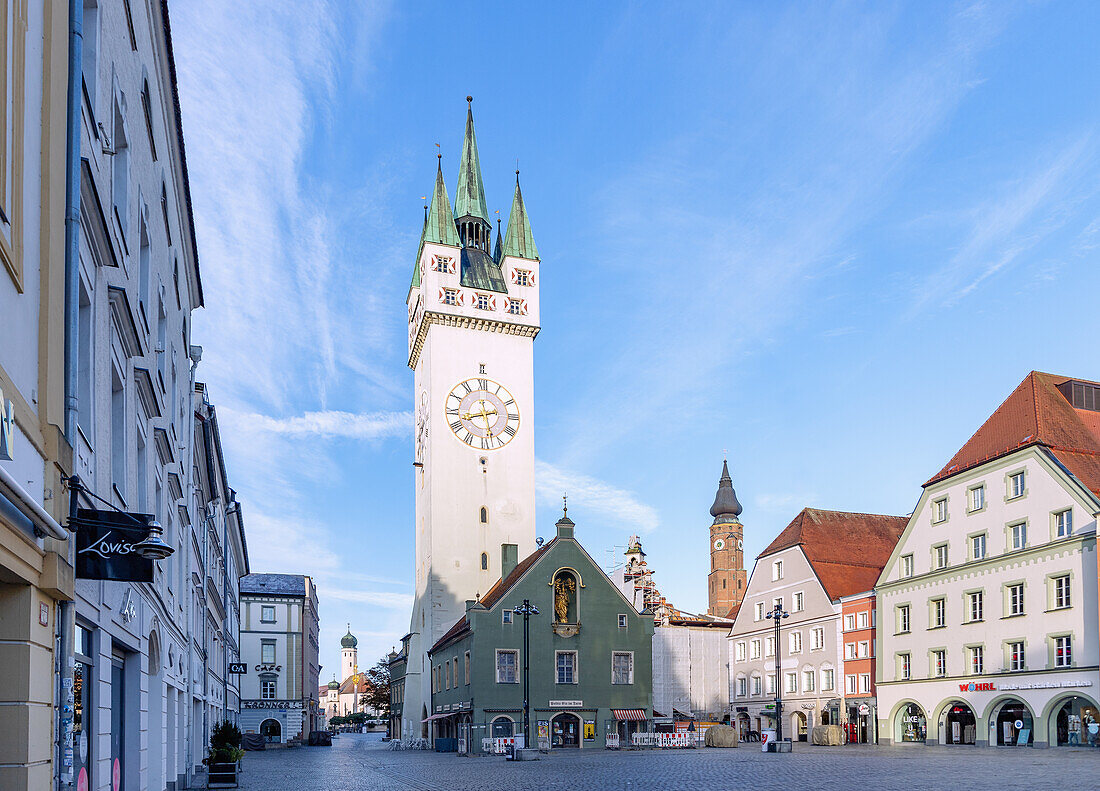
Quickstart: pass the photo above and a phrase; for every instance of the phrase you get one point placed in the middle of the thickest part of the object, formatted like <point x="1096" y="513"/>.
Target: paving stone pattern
<point x="360" y="763"/>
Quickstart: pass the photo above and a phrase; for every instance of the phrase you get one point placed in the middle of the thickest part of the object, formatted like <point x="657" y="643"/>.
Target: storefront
<point x="861" y="721"/>
<point x="910" y="724"/>
<point x="1014" y="724"/>
<point x="960" y="725"/>
<point x="628" y="722"/>
<point x="1076" y="723"/>
<point x="275" y="720"/>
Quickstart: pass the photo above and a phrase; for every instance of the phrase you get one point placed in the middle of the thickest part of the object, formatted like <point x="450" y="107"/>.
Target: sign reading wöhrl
<point x="105" y="542"/>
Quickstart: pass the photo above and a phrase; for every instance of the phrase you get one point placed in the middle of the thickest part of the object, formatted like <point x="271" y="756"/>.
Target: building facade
<point x="988" y="605"/>
<point x="820" y="558"/>
<point x="279" y="628"/>
<point x="473" y="315"/>
<point x="588" y="660"/>
<point x="860" y="706"/>
<point x="36" y="574"/>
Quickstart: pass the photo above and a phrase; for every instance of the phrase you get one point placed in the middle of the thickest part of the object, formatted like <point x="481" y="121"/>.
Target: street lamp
<point x="777" y="615"/>
<point x="526" y="610"/>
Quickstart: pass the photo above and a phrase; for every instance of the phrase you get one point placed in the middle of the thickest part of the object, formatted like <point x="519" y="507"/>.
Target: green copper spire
<point x="439" y="223"/>
<point x="470" y="197"/>
<point x="518" y="240"/>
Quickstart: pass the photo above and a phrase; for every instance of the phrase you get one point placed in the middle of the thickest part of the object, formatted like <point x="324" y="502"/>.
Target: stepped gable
<point x="846" y="550"/>
<point x="1037" y="412"/>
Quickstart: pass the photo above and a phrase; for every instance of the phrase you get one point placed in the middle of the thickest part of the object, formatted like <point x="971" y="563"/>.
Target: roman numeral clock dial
<point x="482" y="413"/>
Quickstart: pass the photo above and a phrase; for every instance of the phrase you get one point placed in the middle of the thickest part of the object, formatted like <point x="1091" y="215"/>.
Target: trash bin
<point x="766" y="738"/>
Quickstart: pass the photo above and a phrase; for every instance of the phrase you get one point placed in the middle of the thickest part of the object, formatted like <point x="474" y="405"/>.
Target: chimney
<point x="470" y="604"/>
<point x="509" y="559"/>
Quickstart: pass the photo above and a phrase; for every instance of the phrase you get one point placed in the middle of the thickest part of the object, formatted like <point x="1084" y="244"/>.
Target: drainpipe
<point x="195" y="354"/>
<point x="66" y="614"/>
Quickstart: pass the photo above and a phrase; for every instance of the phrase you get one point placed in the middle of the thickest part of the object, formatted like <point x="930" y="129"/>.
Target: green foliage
<point x="225" y="744"/>
<point x="338" y="721"/>
<point x="358" y="718"/>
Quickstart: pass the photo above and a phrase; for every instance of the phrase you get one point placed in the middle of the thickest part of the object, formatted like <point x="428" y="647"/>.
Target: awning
<point x="628" y="714"/>
<point x="439" y="716"/>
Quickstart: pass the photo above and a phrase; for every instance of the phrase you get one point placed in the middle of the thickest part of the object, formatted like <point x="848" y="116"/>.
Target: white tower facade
<point x="349" y="655"/>
<point x="473" y="316"/>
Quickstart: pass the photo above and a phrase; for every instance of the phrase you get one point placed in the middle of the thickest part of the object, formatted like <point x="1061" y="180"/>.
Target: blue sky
<point x="828" y="239"/>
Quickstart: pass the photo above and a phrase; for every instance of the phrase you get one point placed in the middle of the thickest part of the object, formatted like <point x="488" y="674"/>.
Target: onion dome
<point x="348" y="640"/>
<point x="726" y="507"/>
<point x="334" y="684"/>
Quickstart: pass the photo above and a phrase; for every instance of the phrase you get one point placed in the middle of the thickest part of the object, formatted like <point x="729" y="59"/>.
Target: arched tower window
<point x="484" y="515"/>
<point x="484" y="560"/>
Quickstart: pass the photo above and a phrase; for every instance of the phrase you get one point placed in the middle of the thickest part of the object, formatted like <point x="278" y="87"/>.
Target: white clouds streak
<point x="615" y="505"/>
<point x="332" y="424"/>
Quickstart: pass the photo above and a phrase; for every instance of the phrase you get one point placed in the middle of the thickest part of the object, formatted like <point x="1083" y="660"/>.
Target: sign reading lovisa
<point x="105" y="543"/>
<point x="985" y="686"/>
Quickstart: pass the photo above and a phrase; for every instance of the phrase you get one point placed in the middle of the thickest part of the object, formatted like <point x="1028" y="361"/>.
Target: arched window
<point x="565" y="597"/>
<point x="484" y="515"/>
<point x="484" y="561"/>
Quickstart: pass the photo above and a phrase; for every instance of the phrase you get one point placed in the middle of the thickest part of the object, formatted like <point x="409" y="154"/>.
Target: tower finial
<point x="565" y="504"/>
<point x="469" y="99"/>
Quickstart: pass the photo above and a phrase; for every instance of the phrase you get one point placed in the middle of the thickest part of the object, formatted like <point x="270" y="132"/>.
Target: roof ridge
<point x="1034" y="377"/>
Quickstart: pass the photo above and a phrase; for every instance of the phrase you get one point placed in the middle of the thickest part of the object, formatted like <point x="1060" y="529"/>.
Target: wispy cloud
<point x="1006" y="226"/>
<point x="617" y="506"/>
<point x="332" y="424"/>
<point x="387" y="599"/>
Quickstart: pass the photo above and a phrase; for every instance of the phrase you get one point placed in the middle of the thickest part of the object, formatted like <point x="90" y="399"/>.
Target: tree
<point x="377" y="683"/>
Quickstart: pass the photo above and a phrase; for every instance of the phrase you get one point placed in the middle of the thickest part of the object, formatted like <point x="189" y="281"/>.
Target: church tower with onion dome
<point x="727" y="579"/>
<point x="349" y="655"/>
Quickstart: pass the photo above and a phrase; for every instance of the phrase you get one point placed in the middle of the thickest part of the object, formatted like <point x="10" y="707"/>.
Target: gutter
<point x="26" y="504"/>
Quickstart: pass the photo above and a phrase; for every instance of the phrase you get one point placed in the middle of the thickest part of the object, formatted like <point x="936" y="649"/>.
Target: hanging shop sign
<point x="238" y="667"/>
<point x="105" y="542"/>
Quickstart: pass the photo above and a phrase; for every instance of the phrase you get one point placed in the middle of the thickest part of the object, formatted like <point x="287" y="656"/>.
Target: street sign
<point x="238" y="667"/>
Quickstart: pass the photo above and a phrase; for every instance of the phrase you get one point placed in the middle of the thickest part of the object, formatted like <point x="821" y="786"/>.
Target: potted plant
<point x="223" y="756"/>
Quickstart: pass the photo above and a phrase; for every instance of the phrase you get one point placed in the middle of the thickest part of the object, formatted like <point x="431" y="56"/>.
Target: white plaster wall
<point x="690" y="670"/>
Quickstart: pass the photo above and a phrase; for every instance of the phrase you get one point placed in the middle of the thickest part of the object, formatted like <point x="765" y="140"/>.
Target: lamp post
<point x="526" y="610"/>
<point x="777" y="615"/>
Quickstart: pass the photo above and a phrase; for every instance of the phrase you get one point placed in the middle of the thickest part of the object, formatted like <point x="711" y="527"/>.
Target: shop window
<point x="911" y="724"/>
<point x="1008" y="733"/>
<point x="1074" y="722"/>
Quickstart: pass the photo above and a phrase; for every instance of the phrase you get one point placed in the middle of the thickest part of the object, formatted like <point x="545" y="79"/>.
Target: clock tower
<point x="727" y="579"/>
<point x="473" y="314"/>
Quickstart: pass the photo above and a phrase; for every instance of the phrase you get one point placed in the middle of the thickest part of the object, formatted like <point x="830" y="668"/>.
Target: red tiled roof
<point x="348" y="686"/>
<point x="732" y="614"/>
<point x="495" y="594"/>
<point x="1036" y="413"/>
<point x="847" y="551"/>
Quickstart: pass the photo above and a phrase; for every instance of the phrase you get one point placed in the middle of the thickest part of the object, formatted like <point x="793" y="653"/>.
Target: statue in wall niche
<point x="564" y="589"/>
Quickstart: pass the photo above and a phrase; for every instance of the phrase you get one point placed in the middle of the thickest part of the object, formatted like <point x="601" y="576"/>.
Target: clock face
<point x="739" y="544"/>
<point x="482" y="414"/>
<point x="719" y="543"/>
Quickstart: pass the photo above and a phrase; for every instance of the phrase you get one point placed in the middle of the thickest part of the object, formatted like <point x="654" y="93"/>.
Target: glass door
<point x="118" y="726"/>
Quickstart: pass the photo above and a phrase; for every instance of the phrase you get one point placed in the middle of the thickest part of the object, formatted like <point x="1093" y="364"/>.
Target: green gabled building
<point x="589" y="663"/>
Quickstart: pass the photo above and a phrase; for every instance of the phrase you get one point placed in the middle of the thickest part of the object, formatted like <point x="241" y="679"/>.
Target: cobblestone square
<point x="361" y="763"/>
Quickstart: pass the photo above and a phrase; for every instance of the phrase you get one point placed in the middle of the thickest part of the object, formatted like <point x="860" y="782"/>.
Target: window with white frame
<point x="977" y="660"/>
<point x="769" y="646"/>
<point x="756" y="685"/>
<point x="939" y="662"/>
<point x="864" y="649"/>
<point x="760" y="611"/>
<point x="622" y="667"/>
<point x="1016" y="484"/>
<point x="817" y="639"/>
<point x="622" y="620"/>
<point x="792" y="682"/>
<point x="939" y="613"/>
<point x="267" y="613"/>
<point x="977" y="546"/>
<point x="939" y="510"/>
<point x="566" y="664"/>
<point x="941" y="556"/>
<point x="770" y="684"/>
<point x="777" y="570"/>
<point x="267" y="689"/>
<point x="1017" y="535"/>
<point x="903" y="619"/>
<point x="267" y="652"/>
<point x="507" y="667"/>
<point x="850" y="684"/>
<point x="742" y="687"/>
<point x="976" y="606"/>
<point x="450" y="296"/>
<point x="794" y="642"/>
<point x="523" y="277"/>
<point x="827" y="677"/>
<point x="906" y="565"/>
<point x="1015" y="593"/>
<point x="1063" y="651"/>
<point x="808" y="681"/>
<point x="1016" y="655"/>
<point x="483" y="302"/>
<point x="505" y="616"/>
<point x="441" y="263"/>
<point x="754" y="649"/>
<point x="797" y="602"/>
<point x="861" y="619"/>
<point x="849" y="650"/>
<point x="740" y="651"/>
<point x="515" y="307"/>
<point x="1061" y="591"/>
<point x="904" y="667"/>
<point x="849" y="622"/>
<point x="1063" y="523"/>
<point x="977" y="498"/>
<point x="865" y="683"/>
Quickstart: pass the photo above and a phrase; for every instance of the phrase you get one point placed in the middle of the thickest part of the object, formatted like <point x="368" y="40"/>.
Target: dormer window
<point x="444" y="264"/>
